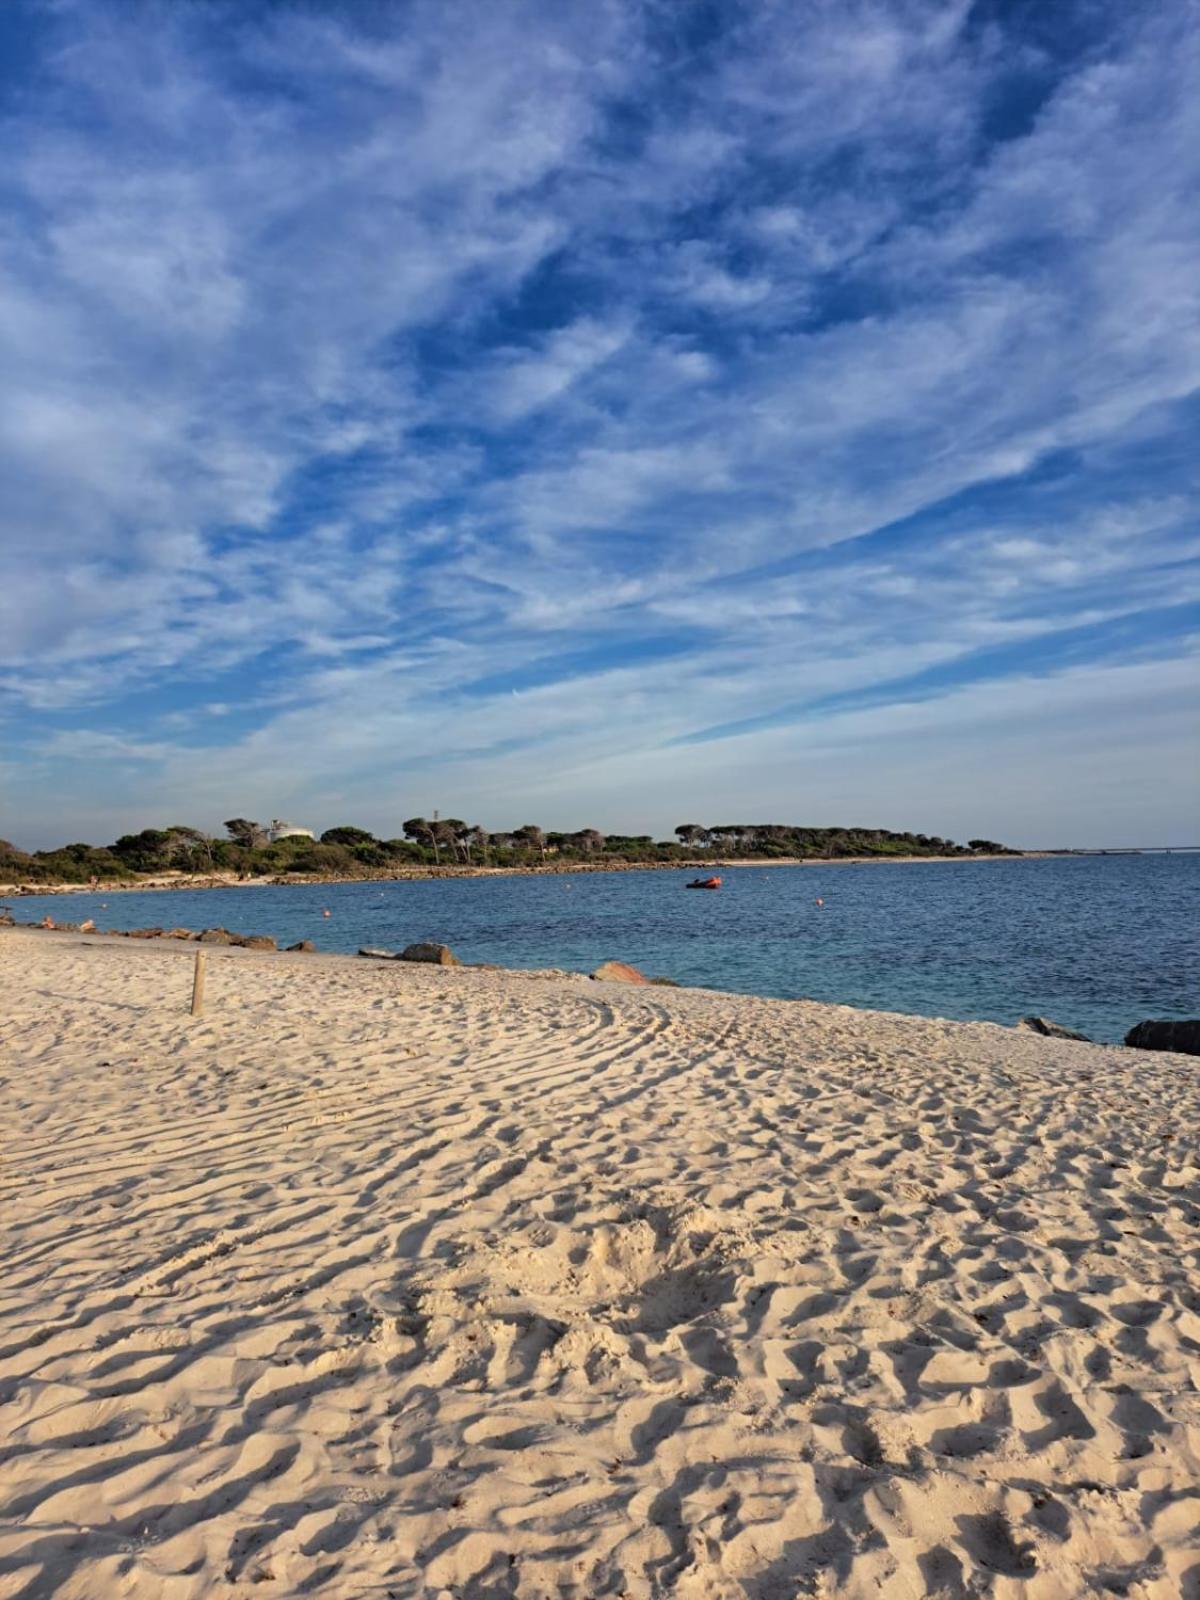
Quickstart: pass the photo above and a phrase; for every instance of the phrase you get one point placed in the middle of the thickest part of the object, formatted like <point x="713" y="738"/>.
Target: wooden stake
<point x="198" y="984"/>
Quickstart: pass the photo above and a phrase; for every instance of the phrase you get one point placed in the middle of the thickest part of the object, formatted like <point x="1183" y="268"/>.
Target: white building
<point x="284" y="830"/>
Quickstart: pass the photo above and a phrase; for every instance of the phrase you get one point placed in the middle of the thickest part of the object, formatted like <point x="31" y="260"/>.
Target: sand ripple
<point x="381" y="1281"/>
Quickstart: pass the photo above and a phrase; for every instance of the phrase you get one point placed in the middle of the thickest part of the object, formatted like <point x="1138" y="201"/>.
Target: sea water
<point x="1095" y="942"/>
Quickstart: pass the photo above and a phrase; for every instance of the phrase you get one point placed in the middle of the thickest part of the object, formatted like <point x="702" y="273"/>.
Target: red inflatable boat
<point x="703" y="883"/>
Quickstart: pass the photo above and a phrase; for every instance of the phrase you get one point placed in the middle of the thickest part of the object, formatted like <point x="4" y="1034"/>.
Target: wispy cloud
<point x="539" y="404"/>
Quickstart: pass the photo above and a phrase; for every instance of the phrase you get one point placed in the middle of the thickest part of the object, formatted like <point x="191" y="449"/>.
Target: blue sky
<point x="606" y="415"/>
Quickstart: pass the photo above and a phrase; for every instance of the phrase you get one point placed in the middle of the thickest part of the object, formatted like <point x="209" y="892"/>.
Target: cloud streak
<point x="403" y="411"/>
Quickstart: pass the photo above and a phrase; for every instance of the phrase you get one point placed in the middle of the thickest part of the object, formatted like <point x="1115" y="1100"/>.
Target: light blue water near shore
<point x="1094" y="942"/>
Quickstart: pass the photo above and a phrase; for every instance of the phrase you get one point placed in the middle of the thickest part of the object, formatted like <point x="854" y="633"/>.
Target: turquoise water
<point x="1094" y="942"/>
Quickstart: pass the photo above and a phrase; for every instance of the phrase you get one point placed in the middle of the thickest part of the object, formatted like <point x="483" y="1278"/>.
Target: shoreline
<point x="187" y="942"/>
<point x="165" y="882"/>
<point x="407" y="1279"/>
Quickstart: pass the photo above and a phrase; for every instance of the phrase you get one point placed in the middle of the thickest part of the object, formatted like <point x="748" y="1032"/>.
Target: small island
<point x="254" y="852"/>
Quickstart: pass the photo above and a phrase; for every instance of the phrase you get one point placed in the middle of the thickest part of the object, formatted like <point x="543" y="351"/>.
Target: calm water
<point x="1094" y="942"/>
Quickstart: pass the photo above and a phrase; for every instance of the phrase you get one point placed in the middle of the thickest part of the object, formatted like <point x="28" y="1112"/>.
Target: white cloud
<point x="352" y="361"/>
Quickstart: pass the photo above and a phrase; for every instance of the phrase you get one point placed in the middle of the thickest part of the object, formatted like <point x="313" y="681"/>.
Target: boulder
<point x="667" y="983"/>
<point x="437" y="955"/>
<point x="618" y="972"/>
<point x="178" y="933"/>
<point x="1051" y="1030"/>
<point x="378" y="955"/>
<point x="67" y="927"/>
<point x="217" y="936"/>
<point x="145" y="933"/>
<point x="257" y="941"/>
<point x="1183" y="1037"/>
<point x="305" y="945"/>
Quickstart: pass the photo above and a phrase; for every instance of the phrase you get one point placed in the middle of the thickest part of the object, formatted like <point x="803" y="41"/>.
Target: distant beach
<point x="415" y="874"/>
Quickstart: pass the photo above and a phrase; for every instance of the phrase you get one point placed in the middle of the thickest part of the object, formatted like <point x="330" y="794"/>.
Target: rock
<point x="217" y="936"/>
<point x="1051" y="1030"/>
<point x="667" y="983"/>
<point x="618" y="972"/>
<point x="437" y="955"/>
<point x="145" y="933"/>
<point x="379" y="955"/>
<point x="305" y="945"/>
<point x="256" y="941"/>
<point x="178" y="933"/>
<point x="67" y="927"/>
<point x="1183" y="1037"/>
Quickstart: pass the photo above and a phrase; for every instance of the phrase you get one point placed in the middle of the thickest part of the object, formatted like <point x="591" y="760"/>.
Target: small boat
<point x="703" y="883"/>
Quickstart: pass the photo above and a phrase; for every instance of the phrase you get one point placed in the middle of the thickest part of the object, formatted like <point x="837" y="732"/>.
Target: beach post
<point x="198" y="984"/>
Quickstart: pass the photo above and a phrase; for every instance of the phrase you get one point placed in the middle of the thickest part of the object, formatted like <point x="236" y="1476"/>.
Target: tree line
<point x="247" y="849"/>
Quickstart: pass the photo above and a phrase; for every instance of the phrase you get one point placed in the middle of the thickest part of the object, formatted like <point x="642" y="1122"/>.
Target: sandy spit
<point x="377" y="1280"/>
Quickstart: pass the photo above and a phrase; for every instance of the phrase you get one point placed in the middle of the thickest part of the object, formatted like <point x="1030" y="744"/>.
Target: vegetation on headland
<point x="247" y="850"/>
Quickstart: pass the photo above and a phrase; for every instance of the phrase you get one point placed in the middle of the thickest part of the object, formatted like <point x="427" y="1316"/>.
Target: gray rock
<point x="257" y="941"/>
<point x="145" y="933"/>
<point x="1183" y="1037"/>
<point x="379" y="955"/>
<point x="305" y="945"/>
<point x="437" y="955"/>
<point x="1051" y="1030"/>
<point x="217" y="936"/>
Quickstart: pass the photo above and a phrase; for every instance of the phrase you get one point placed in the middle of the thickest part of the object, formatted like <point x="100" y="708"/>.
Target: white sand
<point x="380" y="1280"/>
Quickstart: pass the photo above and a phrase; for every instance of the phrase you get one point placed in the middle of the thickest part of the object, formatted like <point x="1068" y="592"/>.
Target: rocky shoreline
<point x="1180" y="1037"/>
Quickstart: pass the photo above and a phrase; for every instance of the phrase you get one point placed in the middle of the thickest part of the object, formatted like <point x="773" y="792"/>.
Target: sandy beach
<point x="381" y="1280"/>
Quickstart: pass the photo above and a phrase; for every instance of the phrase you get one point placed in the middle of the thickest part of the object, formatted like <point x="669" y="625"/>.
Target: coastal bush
<point x="72" y="863"/>
<point x="350" y="836"/>
<point x="351" y="852"/>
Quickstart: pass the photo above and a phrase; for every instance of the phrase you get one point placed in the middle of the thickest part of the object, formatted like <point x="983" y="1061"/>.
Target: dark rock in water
<point x="618" y="972"/>
<point x="145" y="933"/>
<point x="1051" y="1030"/>
<point x="1182" y="1037"/>
<point x="217" y="936"/>
<point x="256" y="941"/>
<point x="437" y="955"/>
<point x="379" y="955"/>
<point x="305" y="945"/>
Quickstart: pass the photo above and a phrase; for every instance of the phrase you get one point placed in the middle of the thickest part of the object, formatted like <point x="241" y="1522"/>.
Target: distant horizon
<point x="580" y="410"/>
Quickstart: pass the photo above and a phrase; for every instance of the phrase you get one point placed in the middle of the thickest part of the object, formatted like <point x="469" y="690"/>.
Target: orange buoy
<point x="326" y="913"/>
<point x="820" y="902"/>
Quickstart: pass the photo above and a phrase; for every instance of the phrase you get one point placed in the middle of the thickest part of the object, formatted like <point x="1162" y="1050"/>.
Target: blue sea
<point x="1095" y="942"/>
